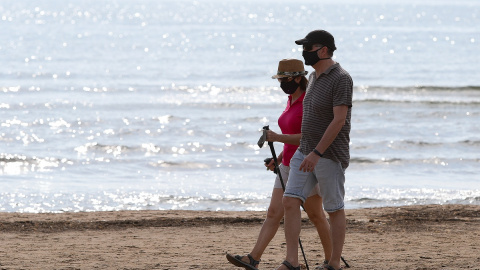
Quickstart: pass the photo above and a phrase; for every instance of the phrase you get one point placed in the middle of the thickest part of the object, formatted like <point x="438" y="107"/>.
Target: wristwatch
<point x="318" y="153"/>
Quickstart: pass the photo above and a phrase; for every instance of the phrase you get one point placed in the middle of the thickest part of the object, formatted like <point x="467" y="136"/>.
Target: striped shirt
<point x="332" y="88"/>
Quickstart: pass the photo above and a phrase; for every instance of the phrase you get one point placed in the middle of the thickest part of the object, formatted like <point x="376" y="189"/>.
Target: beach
<point x="129" y="131"/>
<point x="406" y="237"/>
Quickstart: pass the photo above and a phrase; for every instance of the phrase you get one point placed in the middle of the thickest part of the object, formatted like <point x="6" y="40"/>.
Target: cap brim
<point x="301" y="41"/>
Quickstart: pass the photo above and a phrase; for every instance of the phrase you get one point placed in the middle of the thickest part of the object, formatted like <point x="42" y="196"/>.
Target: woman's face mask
<point x="289" y="87"/>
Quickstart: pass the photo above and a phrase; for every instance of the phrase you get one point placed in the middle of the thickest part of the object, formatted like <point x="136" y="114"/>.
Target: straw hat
<point x="290" y="68"/>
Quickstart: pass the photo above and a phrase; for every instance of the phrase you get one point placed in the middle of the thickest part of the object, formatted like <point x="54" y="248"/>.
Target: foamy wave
<point x="19" y="164"/>
<point x="145" y="200"/>
<point x="372" y="197"/>
<point x="428" y="95"/>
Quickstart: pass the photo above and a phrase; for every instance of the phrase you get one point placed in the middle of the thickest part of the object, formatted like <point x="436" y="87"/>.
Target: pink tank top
<point x="290" y="122"/>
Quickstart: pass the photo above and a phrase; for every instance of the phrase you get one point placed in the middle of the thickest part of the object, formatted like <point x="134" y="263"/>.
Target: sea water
<point x="132" y="105"/>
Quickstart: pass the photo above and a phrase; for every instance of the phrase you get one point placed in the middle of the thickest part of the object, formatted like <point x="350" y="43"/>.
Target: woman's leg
<point x="313" y="207"/>
<point x="272" y="221"/>
<point x="270" y="225"/>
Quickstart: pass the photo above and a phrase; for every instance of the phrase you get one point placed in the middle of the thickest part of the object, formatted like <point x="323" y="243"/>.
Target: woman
<point x="291" y="75"/>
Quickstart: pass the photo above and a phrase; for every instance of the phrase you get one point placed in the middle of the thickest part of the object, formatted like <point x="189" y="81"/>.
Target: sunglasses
<point x="285" y="79"/>
<point x="309" y="46"/>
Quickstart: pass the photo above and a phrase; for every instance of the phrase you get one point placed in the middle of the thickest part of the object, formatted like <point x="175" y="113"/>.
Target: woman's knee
<point x="275" y="212"/>
<point x="313" y="207"/>
<point x="316" y="215"/>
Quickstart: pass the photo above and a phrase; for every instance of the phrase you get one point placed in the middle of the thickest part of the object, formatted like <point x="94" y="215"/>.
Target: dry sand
<point x="412" y="237"/>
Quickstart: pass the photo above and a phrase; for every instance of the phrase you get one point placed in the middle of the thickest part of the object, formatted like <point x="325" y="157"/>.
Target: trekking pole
<point x="277" y="171"/>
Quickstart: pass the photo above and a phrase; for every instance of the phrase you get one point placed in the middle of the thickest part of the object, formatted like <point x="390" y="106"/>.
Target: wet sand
<point x="410" y="237"/>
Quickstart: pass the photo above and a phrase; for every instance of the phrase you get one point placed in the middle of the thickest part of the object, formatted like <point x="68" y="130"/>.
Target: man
<point x="323" y="154"/>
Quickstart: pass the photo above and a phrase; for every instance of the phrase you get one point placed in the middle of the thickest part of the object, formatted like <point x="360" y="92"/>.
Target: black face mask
<point x="311" y="58"/>
<point x="289" y="87"/>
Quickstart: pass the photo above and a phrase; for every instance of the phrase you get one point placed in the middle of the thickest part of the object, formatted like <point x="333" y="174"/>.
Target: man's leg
<point x="338" y="226"/>
<point x="292" y="224"/>
<point x="313" y="207"/>
<point x="298" y="187"/>
<point x="331" y="179"/>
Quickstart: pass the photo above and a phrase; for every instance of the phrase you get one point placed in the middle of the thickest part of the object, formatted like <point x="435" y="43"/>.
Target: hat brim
<point x="301" y="41"/>
<point x="278" y="76"/>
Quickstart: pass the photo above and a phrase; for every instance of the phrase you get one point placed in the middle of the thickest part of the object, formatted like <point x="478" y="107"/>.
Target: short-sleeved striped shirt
<point x="332" y="88"/>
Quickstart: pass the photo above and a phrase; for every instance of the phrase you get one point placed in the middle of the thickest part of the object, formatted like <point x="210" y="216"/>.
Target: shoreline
<point x="407" y="237"/>
<point x="123" y="219"/>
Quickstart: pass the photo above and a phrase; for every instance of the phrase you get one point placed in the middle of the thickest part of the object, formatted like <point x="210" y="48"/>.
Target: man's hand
<point x="309" y="163"/>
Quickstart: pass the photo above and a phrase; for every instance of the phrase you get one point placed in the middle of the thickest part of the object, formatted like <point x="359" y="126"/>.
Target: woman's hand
<point x="272" y="136"/>
<point x="271" y="165"/>
<point x="293" y="139"/>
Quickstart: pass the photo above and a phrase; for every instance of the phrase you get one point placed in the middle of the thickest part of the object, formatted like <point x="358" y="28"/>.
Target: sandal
<point x="329" y="267"/>
<point x="290" y="266"/>
<point x="321" y="267"/>
<point x="237" y="261"/>
<point x="325" y="264"/>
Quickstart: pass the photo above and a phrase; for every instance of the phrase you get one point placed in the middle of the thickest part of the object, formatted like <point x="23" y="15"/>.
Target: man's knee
<point x="291" y="203"/>
<point x="337" y="214"/>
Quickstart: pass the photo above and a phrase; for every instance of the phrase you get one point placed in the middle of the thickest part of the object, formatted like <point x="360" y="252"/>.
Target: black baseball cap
<point x="318" y="36"/>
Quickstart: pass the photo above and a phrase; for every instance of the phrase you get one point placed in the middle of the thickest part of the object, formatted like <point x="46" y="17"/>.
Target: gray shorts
<point x="285" y="171"/>
<point x="328" y="174"/>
